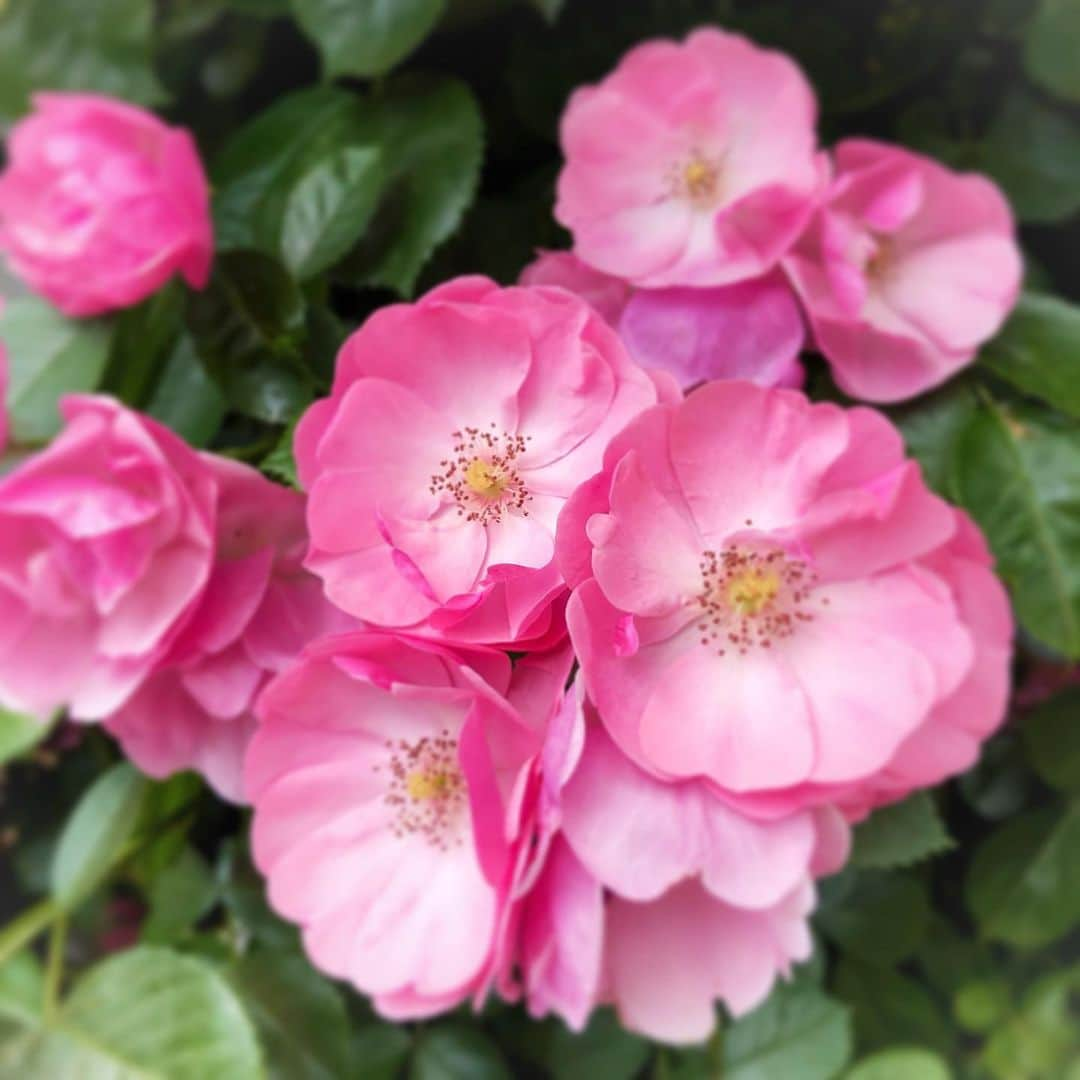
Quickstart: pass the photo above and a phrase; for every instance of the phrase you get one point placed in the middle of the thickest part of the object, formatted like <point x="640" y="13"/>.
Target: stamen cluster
<point x="427" y="790"/>
<point x="481" y="477"/>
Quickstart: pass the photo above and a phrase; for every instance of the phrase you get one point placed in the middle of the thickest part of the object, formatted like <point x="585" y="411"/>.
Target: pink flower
<point x="690" y="164"/>
<point x="258" y="611"/>
<point x="106" y="542"/>
<point x="659" y="898"/>
<point x="457" y="428"/>
<point x="906" y="269"/>
<point x="752" y="330"/>
<point x="775" y="575"/>
<point x="101" y="203"/>
<point x="3" y="395"/>
<point x="383" y="777"/>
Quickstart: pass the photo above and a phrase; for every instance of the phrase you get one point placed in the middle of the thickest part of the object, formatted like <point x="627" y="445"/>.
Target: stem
<point x="54" y="969"/>
<point x="25" y="927"/>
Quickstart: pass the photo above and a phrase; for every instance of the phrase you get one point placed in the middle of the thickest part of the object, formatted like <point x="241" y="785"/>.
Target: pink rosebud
<point x="258" y="611"/>
<point x="386" y="776"/>
<point x="690" y="164"/>
<point x="457" y="429"/>
<point x="106" y="543"/>
<point x="101" y="203"/>
<point x="906" y="269"/>
<point x="775" y="574"/>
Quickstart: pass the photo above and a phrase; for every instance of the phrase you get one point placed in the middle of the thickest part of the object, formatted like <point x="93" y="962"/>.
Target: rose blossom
<point x="907" y="268"/>
<point x="260" y="608"/>
<point x="768" y="596"/>
<point x="752" y="330"/>
<point x="386" y="777"/>
<point x="691" y="163"/>
<point x="106" y="542"/>
<point x="457" y="428"/>
<point x="101" y="203"/>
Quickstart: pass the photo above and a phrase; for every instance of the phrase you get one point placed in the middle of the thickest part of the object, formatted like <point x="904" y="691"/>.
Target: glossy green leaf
<point x="19" y="733"/>
<point x="856" y="905"/>
<point x="146" y="1014"/>
<point x="605" y="1048"/>
<point x="300" y="1016"/>
<point x="143" y="338"/>
<point x="931" y="426"/>
<point x="366" y="37"/>
<point x="179" y="896"/>
<point x="329" y="209"/>
<point x="1018" y="472"/>
<point x="186" y="399"/>
<point x="456" y="1052"/>
<point x="379" y="1050"/>
<point x="48" y="356"/>
<point x="96" y="833"/>
<point x="1052" y="46"/>
<point x="1038" y="351"/>
<point x="1051" y="734"/>
<point x="280" y="463"/>
<point x="1023" y="886"/>
<point x="99" y="45"/>
<point x="900" y="835"/>
<point x="431" y="138"/>
<point x="798" y="1031"/>
<point x="902" y="1063"/>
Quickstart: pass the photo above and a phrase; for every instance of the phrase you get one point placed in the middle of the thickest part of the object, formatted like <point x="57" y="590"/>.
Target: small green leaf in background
<point x="178" y="897"/>
<point x="980" y="1005"/>
<point x="1051" y="733"/>
<point x="329" y="209"/>
<point x="379" y="1050"/>
<point x="902" y="1063"/>
<point x="366" y="37"/>
<point x="300" y="1016"/>
<point x="901" y="834"/>
<point x="186" y="399"/>
<point x="96" y="833"/>
<point x="855" y="905"/>
<point x="798" y="1032"/>
<point x="931" y="426"/>
<point x="1023" y="886"/>
<point x="1038" y="351"/>
<point x="1018" y="473"/>
<point x="1052" y="46"/>
<point x="280" y="463"/>
<point x="550" y="9"/>
<point x="431" y="138"/>
<point x="100" y="45"/>
<point x="604" y="1049"/>
<point x="19" y="733"/>
<point x="146" y="1013"/>
<point x="48" y="356"/>
<point x="22" y="987"/>
<point x="456" y="1052"/>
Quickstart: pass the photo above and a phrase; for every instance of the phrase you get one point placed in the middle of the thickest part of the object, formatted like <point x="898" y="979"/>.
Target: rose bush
<point x="519" y="527"/>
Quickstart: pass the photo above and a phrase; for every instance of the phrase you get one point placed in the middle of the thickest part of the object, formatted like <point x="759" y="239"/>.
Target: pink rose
<point x="776" y="575"/>
<point x="106" y="542"/>
<point x="907" y="268"/>
<point x="3" y="395"/>
<point x="101" y="203"/>
<point x="690" y="164"/>
<point x="385" y="777"/>
<point x="752" y="330"/>
<point x="258" y="611"/>
<point x="457" y="429"/>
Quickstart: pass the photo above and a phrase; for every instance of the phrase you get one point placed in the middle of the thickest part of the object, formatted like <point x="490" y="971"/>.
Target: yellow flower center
<point x="752" y="590"/>
<point x="701" y="180"/>
<point x="485" y="479"/>
<point x="426" y="784"/>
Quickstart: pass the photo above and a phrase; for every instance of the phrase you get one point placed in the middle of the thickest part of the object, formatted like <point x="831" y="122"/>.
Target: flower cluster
<point x="704" y="216"/>
<point x="557" y="683"/>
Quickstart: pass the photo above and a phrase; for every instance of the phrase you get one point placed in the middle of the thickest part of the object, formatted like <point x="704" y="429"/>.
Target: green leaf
<point x="186" y="399"/>
<point x="604" y="1049"/>
<point x="379" y="1050"/>
<point x="300" y="1016"/>
<point x="1019" y="475"/>
<point x="19" y="733"/>
<point x="143" y="338"/>
<point x="21" y="992"/>
<point x="798" y="1031"/>
<point x="1023" y="886"/>
<point x="980" y="1005"/>
<point x="1033" y="151"/>
<point x="431" y="138"/>
<point x="1051" y="734"/>
<point x="329" y="209"/>
<point x="456" y="1052"/>
<point x="1038" y="351"/>
<point x="931" y="427"/>
<point x="280" y="463"/>
<point x="248" y="326"/>
<point x="856" y="905"/>
<point x="902" y="1063"/>
<point x="100" y="45"/>
<point x="550" y="9"/>
<point x="146" y="1014"/>
<point x="901" y="834"/>
<point x="366" y="37"/>
<point x="48" y="356"/>
<point x="1052" y="46"/>
<point x="96" y="833"/>
<point x="179" y="896"/>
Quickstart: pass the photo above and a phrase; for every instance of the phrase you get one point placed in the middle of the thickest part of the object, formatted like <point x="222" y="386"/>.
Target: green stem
<point x="25" y="927"/>
<point x="54" y="968"/>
